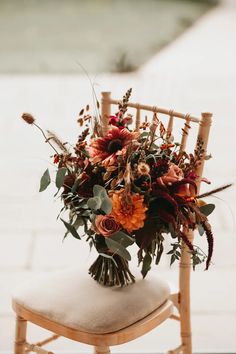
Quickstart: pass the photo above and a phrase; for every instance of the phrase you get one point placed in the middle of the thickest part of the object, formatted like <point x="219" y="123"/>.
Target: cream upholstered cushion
<point x="72" y="298"/>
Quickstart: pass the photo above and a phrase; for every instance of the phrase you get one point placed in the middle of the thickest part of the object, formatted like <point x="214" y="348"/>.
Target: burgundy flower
<point x="68" y="183"/>
<point x="113" y="120"/>
<point x="120" y="122"/>
<point x="160" y="168"/>
<point x="86" y="181"/>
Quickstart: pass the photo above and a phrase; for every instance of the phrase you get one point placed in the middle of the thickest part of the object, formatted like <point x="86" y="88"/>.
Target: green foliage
<point x="198" y="257"/>
<point x="122" y="238"/>
<point x="207" y="209"/>
<point x="45" y="181"/>
<point x="71" y="229"/>
<point x="94" y="203"/>
<point x="117" y="248"/>
<point x="75" y="186"/>
<point x="99" y="191"/>
<point x="60" y="177"/>
<point x="146" y="265"/>
<point x="175" y="252"/>
<point x="159" y="247"/>
<point x="201" y="230"/>
<point x="106" y="205"/>
<point x="100" y="200"/>
<point x="78" y="222"/>
<point x="144" y="135"/>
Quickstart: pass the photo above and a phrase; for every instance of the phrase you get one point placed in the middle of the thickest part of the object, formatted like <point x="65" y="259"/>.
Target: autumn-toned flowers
<point x="106" y="225"/>
<point x="128" y="185"/>
<point x="173" y="174"/>
<point x="143" y="168"/>
<point x="114" y="143"/>
<point x="129" y="210"/>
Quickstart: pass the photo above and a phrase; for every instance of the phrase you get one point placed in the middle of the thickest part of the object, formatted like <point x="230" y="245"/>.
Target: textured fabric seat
<point x="75" y="300"/>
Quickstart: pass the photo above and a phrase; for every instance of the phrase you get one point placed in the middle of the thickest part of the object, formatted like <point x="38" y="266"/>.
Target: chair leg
<point x="102" y="350"/>
<point x="20" y="335"/>
<point x="184" y="286"/>
<point x="187" y="340"/>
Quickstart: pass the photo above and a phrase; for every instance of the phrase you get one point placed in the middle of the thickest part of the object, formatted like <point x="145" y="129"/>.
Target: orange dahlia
<point x="129" y="213"/>
<point x="114" y="143"/>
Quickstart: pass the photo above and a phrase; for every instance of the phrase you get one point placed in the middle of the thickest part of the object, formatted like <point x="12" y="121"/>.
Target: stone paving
<point x="195" y="73"/>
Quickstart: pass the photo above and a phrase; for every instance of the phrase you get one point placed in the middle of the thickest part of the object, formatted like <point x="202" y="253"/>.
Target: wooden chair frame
<point x="180" y="300"/>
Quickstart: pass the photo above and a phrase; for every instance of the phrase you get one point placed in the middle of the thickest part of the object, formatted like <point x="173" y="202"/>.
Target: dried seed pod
<point x="28" y="118"/>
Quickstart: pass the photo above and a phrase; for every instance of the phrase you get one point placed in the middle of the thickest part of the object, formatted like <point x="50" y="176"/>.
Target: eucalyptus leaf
<point x="106" y="205"/>
<point x="122" y="238"/>
<point x="60" y="177"/>
<point x="117" y="248"/>
<point x="92" y="218"/>
<point x="78" y="222"/>
<point x="143" y="135"/>
<point x="75" y="186"/>
<point x="207" y="209"/>
<point x="154" y="147"/>
<point x="94" y="203"/>
<point x="45" y="181"/>
<point x="99" y="191"/>
<point x="200" y="230"/>
<point x="70" y="228"/>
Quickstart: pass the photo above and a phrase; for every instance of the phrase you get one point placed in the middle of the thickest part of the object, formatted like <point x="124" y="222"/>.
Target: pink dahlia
<point x="114" y="143"/>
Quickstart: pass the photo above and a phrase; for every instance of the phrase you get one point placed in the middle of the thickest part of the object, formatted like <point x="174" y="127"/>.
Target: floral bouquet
<point x="129" y="186"/>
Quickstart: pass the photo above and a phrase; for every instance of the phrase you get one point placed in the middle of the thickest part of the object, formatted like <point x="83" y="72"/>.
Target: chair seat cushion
<point x="75" y="300"/>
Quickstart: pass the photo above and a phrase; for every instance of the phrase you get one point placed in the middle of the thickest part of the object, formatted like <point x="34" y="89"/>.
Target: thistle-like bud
<point x="28" y="118"/>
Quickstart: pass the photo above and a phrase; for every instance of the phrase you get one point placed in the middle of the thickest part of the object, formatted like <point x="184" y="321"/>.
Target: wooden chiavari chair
<point x="28" y="312"/>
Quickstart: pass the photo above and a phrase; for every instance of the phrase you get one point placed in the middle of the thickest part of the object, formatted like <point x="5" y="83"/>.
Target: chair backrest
<point x="182" y="300"/>
<point x="204" y="123"/>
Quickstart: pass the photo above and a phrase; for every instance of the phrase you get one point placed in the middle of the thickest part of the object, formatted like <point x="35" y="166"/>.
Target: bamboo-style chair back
<point x="181" y="299"/>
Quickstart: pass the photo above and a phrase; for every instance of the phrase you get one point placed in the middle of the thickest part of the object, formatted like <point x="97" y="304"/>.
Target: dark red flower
<point x="113" y="120"/>
<point x="120" y="123"/>
<point x="160" y="168"/>
<point x="56" y="158"/>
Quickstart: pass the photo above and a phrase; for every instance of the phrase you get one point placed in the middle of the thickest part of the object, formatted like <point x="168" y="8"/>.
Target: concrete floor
<point x="196" y="73"/>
